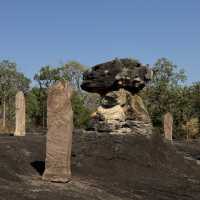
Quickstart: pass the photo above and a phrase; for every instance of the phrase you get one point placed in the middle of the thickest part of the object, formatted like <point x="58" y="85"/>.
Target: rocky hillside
<point x="105" y="167"/>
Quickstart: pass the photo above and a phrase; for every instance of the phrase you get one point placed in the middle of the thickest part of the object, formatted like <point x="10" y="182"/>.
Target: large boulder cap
<point x="118" y="73"/>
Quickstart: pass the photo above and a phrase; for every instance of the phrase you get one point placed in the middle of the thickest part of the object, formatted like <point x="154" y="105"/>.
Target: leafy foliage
<point x="71" y="71"/>
<point x="81" y="112"/>
<point x="11" y="81"/>
<point x="166" y="93"/>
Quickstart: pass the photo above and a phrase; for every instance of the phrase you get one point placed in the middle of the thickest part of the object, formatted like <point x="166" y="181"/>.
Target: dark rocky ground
<point x="105" y="167"/>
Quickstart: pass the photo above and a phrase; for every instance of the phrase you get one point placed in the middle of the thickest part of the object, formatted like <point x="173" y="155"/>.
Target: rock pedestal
<point x="20" y="129"/>
<point x="168" y="126"/>
<point x="122" y="110"/>
<point x="59" y="136"/>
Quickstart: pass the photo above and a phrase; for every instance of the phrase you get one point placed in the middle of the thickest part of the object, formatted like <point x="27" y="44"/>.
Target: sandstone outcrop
<point x="119" y="73"/>
<point x="121" y="109"/>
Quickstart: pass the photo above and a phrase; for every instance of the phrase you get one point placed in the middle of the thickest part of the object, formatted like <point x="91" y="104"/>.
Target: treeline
<point x="167" y="92"/>
<point x="11" y="81"/>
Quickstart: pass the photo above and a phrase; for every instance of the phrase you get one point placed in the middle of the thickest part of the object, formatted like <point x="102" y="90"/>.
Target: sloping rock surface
<point x="104" y="167"/>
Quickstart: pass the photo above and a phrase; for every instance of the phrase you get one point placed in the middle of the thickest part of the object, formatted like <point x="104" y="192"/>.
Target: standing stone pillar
<point x="20" y="129"/>
<point x="59" y="136"/>
<point x="168" y="126"/>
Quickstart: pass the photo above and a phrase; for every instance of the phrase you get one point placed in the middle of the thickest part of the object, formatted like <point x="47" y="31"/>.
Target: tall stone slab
<point x="20" y="129"/>
<point x="59" y="136"/>
<point x="168" y="126"/>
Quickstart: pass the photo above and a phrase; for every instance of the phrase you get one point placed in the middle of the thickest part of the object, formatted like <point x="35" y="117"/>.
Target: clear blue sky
<point x="34" y="33"/>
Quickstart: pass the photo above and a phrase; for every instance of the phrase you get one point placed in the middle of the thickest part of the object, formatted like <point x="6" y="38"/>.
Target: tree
<point x="72" y="72"/>
<point x="194" y="99"/>
<point x="48" y="76"/>
<point x="81" y="112"/>
<point x="166" y="93"/>
<point x="34" y="108"/>
<point x="10" y="82"/>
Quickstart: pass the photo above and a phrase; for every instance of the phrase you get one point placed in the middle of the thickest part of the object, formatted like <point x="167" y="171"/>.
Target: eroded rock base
<point x="122" y="113"/>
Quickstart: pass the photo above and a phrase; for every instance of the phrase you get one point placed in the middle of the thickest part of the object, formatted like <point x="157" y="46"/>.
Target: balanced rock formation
<point x="59" y="136"/>
<point x="20" y="129"/>
<point x="118" y="83"/>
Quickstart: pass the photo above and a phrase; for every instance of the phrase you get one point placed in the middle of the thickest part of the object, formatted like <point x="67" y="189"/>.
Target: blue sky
<point x="34" y="33"/>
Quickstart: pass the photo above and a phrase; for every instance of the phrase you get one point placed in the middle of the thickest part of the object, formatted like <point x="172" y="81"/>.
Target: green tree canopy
<point x="72" y="72"/>
<point x="11" y="81"/>
<point x="166" y="93"/>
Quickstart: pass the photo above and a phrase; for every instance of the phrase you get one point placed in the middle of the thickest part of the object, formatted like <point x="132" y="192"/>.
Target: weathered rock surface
<point x="119" y="73"/>
<point x="122" y="110"/>
<point x="105" y="167"/>
<point x="20" y="129"/>
<point x="168" y="126"/>
<point x="59" y="136"/>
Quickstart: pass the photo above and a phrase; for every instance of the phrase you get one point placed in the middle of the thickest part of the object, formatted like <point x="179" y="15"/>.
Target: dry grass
<point x="10" y="128"/>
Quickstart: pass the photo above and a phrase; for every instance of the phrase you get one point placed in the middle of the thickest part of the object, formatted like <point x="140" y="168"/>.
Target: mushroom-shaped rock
<point x="121" y="110"/>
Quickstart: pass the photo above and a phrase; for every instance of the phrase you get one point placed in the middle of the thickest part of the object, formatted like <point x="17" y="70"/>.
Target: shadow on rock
<point x="39" y="166"/>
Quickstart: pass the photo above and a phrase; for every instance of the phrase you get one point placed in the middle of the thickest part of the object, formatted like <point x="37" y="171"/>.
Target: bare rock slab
<point x="20" y="129"/>
<point x="59" y="136"/>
